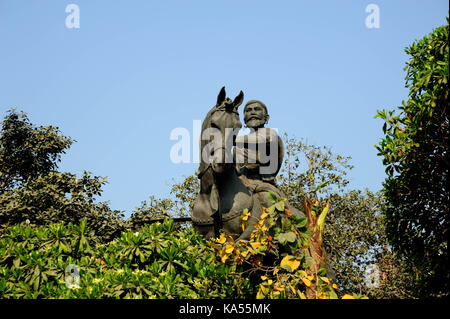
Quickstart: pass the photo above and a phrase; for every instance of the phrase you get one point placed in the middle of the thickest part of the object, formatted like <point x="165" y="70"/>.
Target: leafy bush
<point x="284" y="256"/>
<point x="156" y="262"/>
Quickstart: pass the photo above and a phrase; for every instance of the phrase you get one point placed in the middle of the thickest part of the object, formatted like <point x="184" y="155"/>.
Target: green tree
<point x="354" y="238"/>
<point x="180" y="203"/>
<point x="394" y="278"/>
<point x="27" y="151"/>
<point x="307" y="168"/>
<point x="33" y="191"/>
<point x="184" y="194"/>
<point x="353" y="234"/>
<point x="415" y="153"/>
<point x="150" y="210"/>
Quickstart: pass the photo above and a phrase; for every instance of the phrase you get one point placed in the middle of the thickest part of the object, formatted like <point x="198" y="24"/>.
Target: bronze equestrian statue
<point x="236" y="172"/>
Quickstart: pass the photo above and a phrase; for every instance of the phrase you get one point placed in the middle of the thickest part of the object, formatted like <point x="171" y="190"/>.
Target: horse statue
<point x="224" y="192"/>
<point x="222" y="197"/>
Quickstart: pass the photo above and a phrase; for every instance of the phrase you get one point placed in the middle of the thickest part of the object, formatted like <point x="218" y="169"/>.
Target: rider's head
<point x="255" y="114"/>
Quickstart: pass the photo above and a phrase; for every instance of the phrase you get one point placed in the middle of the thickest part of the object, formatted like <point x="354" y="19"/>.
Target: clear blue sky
<point x="135" y="70"/>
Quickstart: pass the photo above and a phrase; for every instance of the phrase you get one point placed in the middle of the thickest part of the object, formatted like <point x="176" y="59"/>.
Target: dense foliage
<point x="33" y="190"/>
<point x="285" y="253"/>
<point x="67" y="261"/>
<point x="27" y="151"/>
<point x="354" y="234"/>
<point x="284" y="258"/>
<point x="179" y="204"/>
<point x="354" y="238"/>
<point x="415" y="153"/>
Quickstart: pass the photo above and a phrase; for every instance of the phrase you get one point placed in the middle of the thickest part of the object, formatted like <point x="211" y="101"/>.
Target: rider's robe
<point x="259" y="156"/>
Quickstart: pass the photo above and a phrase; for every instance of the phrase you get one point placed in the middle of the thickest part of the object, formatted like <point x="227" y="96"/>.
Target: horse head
<point x="219" y="131"/>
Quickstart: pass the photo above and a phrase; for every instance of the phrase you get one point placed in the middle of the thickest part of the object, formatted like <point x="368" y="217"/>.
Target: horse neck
<point x="227" y="181"/>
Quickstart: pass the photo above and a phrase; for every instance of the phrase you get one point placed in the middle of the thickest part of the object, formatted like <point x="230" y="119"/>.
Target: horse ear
<point x="238" y="99"/>
<point x="221" y="96"/>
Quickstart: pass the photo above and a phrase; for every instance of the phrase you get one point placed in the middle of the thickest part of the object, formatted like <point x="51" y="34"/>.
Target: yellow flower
<point x="307" y="282"/>
<point x="222" y="239"/>
<point x="292" y="288"/>
<point x="229" y="249"/>
<point x="255" y="244"/>
<point x="291" y="262"/>
<point x="245" y="215"/>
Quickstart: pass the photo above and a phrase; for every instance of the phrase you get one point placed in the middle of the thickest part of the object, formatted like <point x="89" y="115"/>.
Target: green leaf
<point x="300" y="222"/>
<point x="333" y="295"/>
<point x="284" y="238"/>
<point x="290" y="237"/>
<point x="16" y="262"/>
<point x="310" y="261"/>
<point x="321" y="220"/>
<point x="272" y="197"/>
<point x="286" y="267"/>
<point x="272" y="209"/>
<point x="280" y="206"/>
<point x="281" y="238"/>
<point x="322" y="272"/>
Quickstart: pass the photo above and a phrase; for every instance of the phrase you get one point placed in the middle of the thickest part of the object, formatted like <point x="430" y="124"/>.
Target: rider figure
<point x="259" y="155"/>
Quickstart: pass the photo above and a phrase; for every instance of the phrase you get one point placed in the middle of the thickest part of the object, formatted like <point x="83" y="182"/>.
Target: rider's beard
<point x="253" y="123"/>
